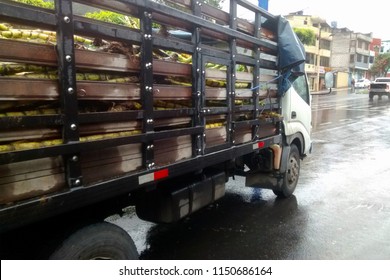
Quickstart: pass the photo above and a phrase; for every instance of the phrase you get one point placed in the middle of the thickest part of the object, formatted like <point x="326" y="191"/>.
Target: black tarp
<point x="291" y="55"/>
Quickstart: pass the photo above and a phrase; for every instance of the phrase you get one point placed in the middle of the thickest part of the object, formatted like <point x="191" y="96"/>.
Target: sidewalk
<point x="326" y="91"/>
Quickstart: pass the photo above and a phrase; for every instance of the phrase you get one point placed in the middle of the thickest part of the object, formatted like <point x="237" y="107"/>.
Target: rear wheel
<point x="291" y="176"/>
<point x="99" y="241"/>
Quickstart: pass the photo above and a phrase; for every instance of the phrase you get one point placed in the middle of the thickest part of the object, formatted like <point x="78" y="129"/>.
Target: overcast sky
<point x="359" y="16"/>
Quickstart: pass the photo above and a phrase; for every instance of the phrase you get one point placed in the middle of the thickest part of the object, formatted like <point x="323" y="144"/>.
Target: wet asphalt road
<point x="340" y="209"/>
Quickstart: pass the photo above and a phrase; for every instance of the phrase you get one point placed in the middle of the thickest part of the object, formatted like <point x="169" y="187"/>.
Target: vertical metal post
<point x="232" y="75"/>
<point x="147" y="85"/>
<point x="256" y="74"/>
<point x="198" y="86"/>
<point x="68" y="87"/>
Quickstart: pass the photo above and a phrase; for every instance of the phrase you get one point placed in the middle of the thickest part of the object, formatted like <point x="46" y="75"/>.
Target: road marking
<point x="326" y="123"/>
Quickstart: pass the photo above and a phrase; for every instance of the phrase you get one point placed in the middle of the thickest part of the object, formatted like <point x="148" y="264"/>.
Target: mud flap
<point x="283" y="162"/>
<point x="262" y="180"/>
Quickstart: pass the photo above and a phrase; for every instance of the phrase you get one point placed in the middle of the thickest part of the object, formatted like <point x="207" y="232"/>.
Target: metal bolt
<point x="67" y="19"/>
<point x="70" y="90"/>
<point x="198" y="49"/>
<point x="150" y="147"/>
<point x="149" y="89"/>
<point x="68" y="58"/>
<point x="77" y="182"/>
<point x="148" y="65"/>
<point x="75" y="158"/>
<point x="73" y="126"/>
<point x="149" y="121"/>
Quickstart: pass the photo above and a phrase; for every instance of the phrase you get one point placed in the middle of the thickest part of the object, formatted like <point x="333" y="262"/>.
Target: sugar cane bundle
<point x="269" y="114"/>
<point x="215" y="124"/>
<point x="162" y="104"/>
<point x="26" y="145"/>
<point x="38" y="36"/>
<point x="10" y="68"/>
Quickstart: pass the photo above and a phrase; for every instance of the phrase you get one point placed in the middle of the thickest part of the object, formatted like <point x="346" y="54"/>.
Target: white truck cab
<point x="297" y="115"/>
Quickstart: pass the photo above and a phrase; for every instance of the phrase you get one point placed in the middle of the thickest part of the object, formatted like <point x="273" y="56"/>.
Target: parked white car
<point x="362" y="83"/>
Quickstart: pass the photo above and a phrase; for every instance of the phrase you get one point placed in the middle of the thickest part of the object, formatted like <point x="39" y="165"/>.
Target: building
<point x="317" y="54"/>
<point x="375" y="49"/>
<point x="351" y="53"/>
<point x="385" y="48"/>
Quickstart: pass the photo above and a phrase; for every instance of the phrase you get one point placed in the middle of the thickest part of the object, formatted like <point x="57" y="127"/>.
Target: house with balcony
<point x="351" y="53"/>
<point x="319" y="52"/>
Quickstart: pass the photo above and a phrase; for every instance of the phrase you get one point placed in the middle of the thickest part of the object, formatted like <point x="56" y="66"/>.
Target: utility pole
<point x="319" y="57"/>
<point x="263" y="4"/>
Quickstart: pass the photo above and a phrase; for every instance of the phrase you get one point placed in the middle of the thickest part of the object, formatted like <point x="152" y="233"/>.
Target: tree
<point x="215" y="3"/>
<point x="381" y="65"/>
<point x="307" y="36"/>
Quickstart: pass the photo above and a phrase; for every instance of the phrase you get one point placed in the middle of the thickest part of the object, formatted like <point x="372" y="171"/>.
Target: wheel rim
<point x="293" y="171"/>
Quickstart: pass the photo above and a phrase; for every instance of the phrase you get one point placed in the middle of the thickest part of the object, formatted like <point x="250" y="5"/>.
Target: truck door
<point x="297" y="113"/>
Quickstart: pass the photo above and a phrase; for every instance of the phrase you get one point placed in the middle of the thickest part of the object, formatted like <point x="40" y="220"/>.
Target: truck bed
<point x="100" y="123"/>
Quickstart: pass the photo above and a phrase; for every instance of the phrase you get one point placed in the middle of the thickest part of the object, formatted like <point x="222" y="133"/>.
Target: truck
<point x="155" y="110"/>
<point x="380" y="87"/>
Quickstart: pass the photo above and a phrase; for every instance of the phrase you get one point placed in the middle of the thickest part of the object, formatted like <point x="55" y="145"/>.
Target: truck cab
<point x="297" y="115"/>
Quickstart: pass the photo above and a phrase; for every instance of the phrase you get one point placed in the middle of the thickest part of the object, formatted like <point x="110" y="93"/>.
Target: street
<point x="340" y="209"/>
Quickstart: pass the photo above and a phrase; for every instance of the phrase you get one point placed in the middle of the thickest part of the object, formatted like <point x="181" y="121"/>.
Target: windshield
<point x="383" y="80"/>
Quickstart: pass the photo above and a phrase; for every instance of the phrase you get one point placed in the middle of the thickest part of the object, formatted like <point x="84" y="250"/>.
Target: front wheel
<point x="100" y="241"/>
<point x="291" y="176"/>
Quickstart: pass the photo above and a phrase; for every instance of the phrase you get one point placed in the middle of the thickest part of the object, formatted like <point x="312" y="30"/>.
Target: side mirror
<point x="329" y="81"/>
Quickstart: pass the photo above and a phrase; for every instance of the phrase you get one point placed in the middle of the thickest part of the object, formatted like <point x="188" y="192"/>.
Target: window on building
<point x="366" y="59"/>
<point x="353" y="43"/>
<point x="324" y="44"/>
<point x="352" y="58"/>
<point x="360" y="44"/>
<point x="310" y="58"/>
<point x="359" y="58"/>
<point x="324" y="61"/>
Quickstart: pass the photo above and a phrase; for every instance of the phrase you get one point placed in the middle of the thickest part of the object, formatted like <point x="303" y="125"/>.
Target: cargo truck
<point x="155" y="110"/>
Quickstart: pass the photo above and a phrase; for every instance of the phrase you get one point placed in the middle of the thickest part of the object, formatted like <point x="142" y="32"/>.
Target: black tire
<point x="291" y="176"/>
<point x="97" y="241"/>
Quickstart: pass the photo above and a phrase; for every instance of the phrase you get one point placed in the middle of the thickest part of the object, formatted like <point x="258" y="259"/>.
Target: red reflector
<point x="261" y="145"/>
<point x="161" y="174"/>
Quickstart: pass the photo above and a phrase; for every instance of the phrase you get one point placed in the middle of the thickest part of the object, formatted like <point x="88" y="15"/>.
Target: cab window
<point x="301" y="87"/>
